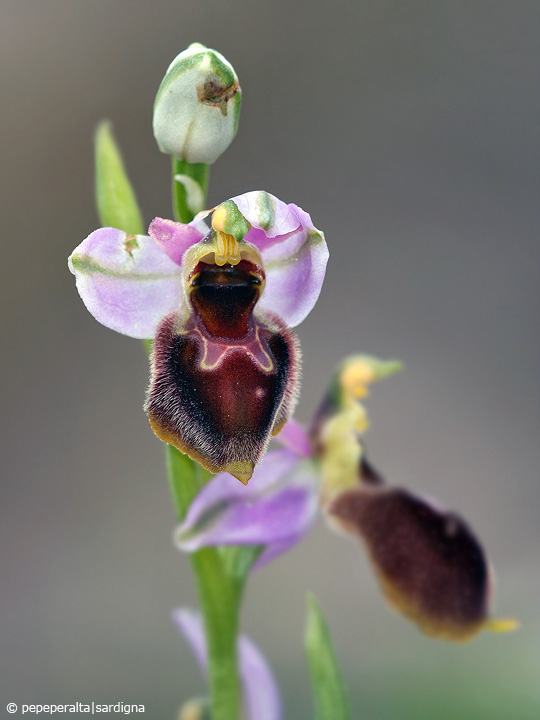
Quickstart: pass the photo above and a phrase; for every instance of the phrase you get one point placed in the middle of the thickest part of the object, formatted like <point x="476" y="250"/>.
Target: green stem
<point x="183" y="480"/>
<point x="200" y="173"/>
<point x="220" y="596"/>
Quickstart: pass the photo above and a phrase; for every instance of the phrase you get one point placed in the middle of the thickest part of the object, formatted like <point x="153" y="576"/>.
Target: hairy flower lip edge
<point x="236" y="448"/>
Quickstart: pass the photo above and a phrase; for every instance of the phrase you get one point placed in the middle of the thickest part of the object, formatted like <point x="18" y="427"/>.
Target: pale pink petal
<point x="293" y="251"/>
<point x="276" y="509"/>
<point x="174" y="238"/>
<point x="126" y="281"/>
<point x="295" y="438"/>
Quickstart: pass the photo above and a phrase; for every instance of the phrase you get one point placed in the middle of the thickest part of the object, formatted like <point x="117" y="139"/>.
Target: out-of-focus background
<point x="410" y="133"/>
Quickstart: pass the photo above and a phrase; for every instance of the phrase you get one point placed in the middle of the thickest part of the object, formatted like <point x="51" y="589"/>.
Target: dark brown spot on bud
<point x="430" y="564"/>
<point x="214" y="93"/>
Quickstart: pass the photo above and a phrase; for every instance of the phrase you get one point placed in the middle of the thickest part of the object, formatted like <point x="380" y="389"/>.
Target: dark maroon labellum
<point x="430" y="564"/>
<point x="223" y="380"/>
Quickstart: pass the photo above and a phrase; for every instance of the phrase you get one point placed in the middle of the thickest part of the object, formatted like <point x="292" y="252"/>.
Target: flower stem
<point x="220" y="598"/>
<point x="220" y="595"/>
<point x="198" y="172"/>
<point x="183" y="480"/>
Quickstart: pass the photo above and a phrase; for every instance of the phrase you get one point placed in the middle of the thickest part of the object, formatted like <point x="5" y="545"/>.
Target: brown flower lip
<point x="223" y="379"/>
<point x="431" y="566"/>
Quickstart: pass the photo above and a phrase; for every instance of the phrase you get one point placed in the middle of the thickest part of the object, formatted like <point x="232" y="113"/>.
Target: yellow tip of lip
<point x="242" y="470"/>
<point x="502" y="625"/>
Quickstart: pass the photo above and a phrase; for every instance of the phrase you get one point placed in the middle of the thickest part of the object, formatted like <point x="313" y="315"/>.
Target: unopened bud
<point x="197" y="106"/>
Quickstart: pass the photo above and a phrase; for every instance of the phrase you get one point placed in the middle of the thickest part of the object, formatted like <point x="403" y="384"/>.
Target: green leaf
<point x="329" y="692"/>
<point x="115" y="198"/>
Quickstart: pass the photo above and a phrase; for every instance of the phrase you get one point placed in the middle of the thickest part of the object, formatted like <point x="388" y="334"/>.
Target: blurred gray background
<point x="410" y="132"/>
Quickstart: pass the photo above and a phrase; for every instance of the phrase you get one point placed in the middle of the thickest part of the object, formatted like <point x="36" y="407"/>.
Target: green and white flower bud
<point x="197" y="106"/>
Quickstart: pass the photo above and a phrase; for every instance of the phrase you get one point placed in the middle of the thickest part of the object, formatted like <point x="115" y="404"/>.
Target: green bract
<point x="329" y="691"/>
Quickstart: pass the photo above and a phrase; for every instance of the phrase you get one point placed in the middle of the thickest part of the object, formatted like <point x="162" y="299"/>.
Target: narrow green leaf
<point x="329" y="692"/>
<point x="115" y="198"/>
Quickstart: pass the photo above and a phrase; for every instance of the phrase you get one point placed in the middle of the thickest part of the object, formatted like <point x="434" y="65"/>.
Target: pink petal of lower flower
<point x="276" y="509"/>
<point x="261" y="694"/>
<point x="295" y="438"/>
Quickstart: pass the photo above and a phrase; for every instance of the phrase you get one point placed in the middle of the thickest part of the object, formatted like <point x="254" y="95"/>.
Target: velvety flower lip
<point x="431" y="566"/>
<point x="275" y="510"/>
<point x="260" y="691"/>
<point x="222" y="413"/>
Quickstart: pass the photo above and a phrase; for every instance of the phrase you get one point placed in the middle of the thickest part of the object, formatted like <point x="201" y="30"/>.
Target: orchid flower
<point x="429" y="562"/>
<point x="274" y="511"/>
<point x="260" y="691"/>
<point x="218" y="300"/>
